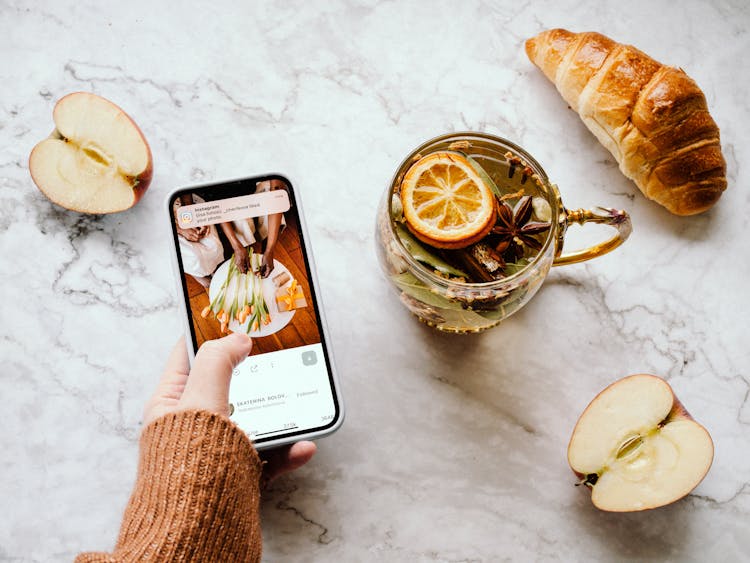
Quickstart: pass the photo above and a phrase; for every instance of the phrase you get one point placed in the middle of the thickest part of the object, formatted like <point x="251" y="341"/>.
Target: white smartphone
<point x="243" y="264"/>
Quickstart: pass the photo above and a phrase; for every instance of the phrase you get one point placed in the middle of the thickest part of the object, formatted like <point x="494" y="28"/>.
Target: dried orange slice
<point x="447" y="203"/>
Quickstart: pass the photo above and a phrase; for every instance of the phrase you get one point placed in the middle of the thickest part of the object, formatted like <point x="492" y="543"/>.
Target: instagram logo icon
<point x="186" y="217"/>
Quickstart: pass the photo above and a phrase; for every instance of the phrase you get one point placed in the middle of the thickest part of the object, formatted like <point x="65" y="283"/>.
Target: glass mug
<point x="463" y="307"/>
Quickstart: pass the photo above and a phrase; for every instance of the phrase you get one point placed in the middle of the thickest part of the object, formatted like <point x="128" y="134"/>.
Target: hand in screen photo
<point x="191" y="234"/>
<point x="234" y="235"/>
<point x="261" y="233"/>
<point x="274" y="226"/>
<point x="200" y="247"/>
<point x="274" y="223"/>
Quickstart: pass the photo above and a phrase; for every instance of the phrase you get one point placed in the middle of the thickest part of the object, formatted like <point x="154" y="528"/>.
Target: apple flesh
<point x="636" y="447"/>
<point x="96" y="160"/>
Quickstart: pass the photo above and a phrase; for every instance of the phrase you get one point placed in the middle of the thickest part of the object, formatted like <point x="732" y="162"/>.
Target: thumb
<point x="207" y="386"/>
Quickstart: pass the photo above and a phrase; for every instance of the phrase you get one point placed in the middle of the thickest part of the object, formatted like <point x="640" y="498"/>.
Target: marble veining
<point x="454" y="447"/>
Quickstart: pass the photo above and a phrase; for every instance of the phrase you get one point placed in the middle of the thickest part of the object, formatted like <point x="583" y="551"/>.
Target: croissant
<point x="652" y="118"/>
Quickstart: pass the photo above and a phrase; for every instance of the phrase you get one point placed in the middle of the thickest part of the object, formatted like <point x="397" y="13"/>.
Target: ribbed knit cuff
<point x="197" y="494"/>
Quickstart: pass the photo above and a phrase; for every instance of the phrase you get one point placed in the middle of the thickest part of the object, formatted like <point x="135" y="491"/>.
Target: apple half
<point x="96" y="160"/>
<point x="636" y="447"/>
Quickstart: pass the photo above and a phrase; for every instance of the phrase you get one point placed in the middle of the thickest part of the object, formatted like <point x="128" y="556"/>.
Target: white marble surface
<point x="454" y="447"/>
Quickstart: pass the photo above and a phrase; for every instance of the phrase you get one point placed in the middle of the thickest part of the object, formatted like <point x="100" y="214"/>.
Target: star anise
<point x="514" y="231"/>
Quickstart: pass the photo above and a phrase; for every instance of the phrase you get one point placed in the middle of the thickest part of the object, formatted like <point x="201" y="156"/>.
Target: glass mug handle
<point x="615" y="218"/>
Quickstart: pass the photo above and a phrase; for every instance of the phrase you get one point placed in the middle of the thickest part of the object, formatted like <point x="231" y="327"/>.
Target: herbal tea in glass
<point x="469" y="228"/>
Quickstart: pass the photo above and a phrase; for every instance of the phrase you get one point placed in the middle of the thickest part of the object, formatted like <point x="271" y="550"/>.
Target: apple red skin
<point x="143" y="179"/>
<point x="677" y="411"/>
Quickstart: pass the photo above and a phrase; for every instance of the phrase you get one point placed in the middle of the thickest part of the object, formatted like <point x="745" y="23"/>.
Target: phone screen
<point x="244" y="268"/>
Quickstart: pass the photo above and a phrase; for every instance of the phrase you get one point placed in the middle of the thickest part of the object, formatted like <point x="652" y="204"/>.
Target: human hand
<point x="241" y="259"/>
<point x="266" y="266"/>
<point x="192" y="234"/>
<point x="207" y="388"/>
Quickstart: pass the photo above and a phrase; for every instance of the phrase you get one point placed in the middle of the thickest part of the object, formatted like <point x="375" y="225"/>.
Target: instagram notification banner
<point x="232" y="209"/>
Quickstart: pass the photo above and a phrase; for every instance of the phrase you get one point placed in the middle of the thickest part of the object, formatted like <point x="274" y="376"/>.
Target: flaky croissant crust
<point x="653" y="118"/>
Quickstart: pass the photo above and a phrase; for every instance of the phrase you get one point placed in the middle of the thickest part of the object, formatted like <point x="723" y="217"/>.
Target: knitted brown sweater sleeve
<point x="196" y="497"/>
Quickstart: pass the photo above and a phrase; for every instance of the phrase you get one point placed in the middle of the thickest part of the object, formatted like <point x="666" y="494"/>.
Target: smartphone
<point x="242" y="259"/>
